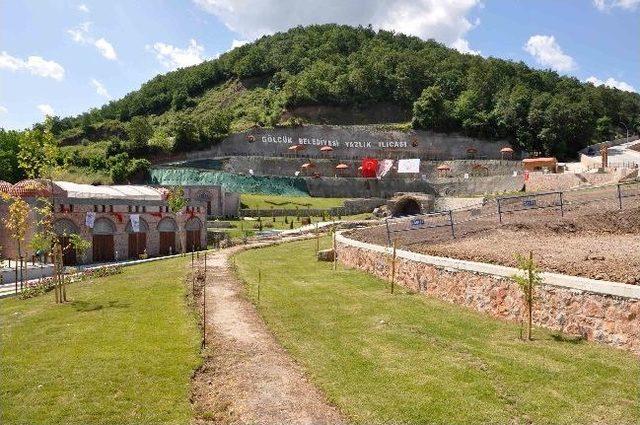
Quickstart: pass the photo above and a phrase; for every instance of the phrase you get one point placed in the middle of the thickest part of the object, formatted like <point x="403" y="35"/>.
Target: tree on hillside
<point x="9" y="165"/>
<point x="38" y="152"/>
<point x="185" y="133"/>
<point x="528" y="279"/>
<point x="139" y="131"/>
<point x="432" y="111"/>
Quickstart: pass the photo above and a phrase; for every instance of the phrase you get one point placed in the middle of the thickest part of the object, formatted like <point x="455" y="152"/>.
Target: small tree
<point x="38" y="153"/>
<point x="177" y="203"/>
<point x="42" y="240"/>
<point x="528" y="280"/>
<point x="79" y="244"/>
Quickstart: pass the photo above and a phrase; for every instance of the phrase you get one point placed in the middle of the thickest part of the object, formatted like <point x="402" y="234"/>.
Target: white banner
<point x="90" y="219"/>
<point x="135" y="222"/>
<point x="409" y="165"/>
<point x="384" y="167"/>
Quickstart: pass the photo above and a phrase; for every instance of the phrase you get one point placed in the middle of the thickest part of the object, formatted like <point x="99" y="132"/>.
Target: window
<point x="160" y="208"/>
<point x="104" y="208"/>
<point x="110" y="208"/>
<point x="61" y="207"/>
<point x="144" y="208"/>
<point x="70" y="207"/>
<point x="137" y="208"/>
<point x="129" y="208"/>
<point x="95" y="208"/>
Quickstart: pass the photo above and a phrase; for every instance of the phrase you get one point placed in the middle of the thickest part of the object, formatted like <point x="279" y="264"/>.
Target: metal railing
<point x="493" y="212"/>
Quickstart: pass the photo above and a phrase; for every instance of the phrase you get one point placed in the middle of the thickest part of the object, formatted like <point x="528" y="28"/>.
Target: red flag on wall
<point x="369" y="167"/>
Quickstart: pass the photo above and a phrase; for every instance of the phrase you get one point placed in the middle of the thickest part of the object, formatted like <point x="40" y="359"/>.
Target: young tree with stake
<point x="528" y="280"/>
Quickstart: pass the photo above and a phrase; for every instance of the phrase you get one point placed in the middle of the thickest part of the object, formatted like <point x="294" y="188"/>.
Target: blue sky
<point x="64" y="57"/>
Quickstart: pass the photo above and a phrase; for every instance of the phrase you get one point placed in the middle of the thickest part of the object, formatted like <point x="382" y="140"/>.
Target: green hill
<point x="342" y="75"/>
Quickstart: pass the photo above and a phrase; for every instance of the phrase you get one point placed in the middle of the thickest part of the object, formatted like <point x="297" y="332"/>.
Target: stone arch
<point x="407" y="205"/>
<point x="144" y="227"/>
<point x="64" y="226"/>
<point x="193" y="223"/>
<point x="206" y="198"/>
<point x="167" y="224"/>
<point x="104" y="226"/>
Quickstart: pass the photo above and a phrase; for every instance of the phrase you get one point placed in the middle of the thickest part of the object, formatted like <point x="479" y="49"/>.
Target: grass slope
<point x="256" y="200"/>
<point x="405" y="358"/>
<point x="121" y="352"/>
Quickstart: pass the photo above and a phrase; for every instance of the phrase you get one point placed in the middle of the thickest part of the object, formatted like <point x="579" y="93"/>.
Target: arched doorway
<point x="194" y="229"/>
<point x="407" y="206"/>
<point x="137" y="240"/>
<point x="167" y="229"/>
<point x="64" y="228"/>
<point x="205" y="198"/>
<point x="103" y="248"/>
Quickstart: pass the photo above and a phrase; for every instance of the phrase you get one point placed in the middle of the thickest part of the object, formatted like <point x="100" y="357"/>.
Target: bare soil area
<point x="247" y="376"/>
<point x="599" y="243"/>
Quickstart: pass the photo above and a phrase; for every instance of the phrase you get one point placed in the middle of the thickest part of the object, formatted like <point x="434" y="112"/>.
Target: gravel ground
<point x="594" y="240"/>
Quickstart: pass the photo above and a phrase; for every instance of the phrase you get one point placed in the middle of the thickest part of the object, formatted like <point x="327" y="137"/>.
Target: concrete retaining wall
<point x="607" y="312"/>
<point x="355" y="141"/>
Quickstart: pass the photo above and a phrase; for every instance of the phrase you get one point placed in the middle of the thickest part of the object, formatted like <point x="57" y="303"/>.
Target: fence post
<point x="619" y="196"/>
<point x="204" y="311"/>
<point x="499" y="210"/>
<point x="335" y="251"/>
<point x="317" y="239"/>
<point x="393" y="265"/>
<point x="453" y="232"/>
<point x="386" y="222"/>
<point x="561" y="206"/>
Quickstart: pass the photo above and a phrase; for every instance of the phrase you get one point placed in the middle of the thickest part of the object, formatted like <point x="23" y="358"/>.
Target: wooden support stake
<point x="393" y="265"/>
<point x="259" y="281"/>
<point x="317" y="239"/>
<point x="619" y="196"/>
<point x="335" y="251"/>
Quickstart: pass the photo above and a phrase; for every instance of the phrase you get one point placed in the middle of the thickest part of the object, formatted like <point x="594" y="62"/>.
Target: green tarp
<point x="292" y="186"/>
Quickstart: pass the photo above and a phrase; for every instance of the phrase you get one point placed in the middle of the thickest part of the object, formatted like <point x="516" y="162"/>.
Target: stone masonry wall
<point x="607" y="319"/>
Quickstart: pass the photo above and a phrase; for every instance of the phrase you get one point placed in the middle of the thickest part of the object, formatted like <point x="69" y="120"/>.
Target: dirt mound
<point x="610" y="222"/>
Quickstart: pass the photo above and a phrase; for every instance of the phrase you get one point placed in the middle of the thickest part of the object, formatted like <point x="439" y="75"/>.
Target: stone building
<point x="120" y="221"/>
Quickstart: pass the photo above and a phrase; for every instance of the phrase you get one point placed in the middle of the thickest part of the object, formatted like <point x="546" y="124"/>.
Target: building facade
<point x="120" y="222"/>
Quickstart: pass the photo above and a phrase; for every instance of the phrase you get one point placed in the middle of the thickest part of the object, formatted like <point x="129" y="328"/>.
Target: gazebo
<point x="506" y="152"/>
<point x="443" y="170"/>
<point x="471" y="152"/>
<point x="296" y="148"/>
<point x="342" y="167"/>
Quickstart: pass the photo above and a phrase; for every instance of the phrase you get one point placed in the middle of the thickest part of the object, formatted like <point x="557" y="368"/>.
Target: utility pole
<point x="626" y="128"/>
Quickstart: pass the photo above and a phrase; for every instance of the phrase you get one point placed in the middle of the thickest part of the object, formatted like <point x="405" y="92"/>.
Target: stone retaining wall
<point x="613" y="319"/>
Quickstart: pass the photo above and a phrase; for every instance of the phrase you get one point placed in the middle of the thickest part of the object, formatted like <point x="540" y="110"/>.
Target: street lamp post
<point x="626" y="128"/>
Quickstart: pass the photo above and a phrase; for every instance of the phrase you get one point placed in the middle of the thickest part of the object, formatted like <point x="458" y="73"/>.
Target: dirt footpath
<point x="248" y="377"/>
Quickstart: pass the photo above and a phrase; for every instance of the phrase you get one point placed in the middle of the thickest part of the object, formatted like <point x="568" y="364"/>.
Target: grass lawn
<point x="256" y="201"/>
<point x="405" y="358"/>
<point x="246" y="227"/>
<point x="122" y="351"/>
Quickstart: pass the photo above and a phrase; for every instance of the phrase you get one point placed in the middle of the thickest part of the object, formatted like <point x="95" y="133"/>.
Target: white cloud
<point x="80" y="34"/>
<point x="611" y="82"/>
<point x="106" y="49"/>
<point x="46" y="109"/>
<point x="607" y="5"/>
<point x="83" y="8"/>
<point x="238" y="43"/>
<point x="548" y="52"/>
<point x="462" y="46"/>
<point x="35" y="65"/>
<point x="100" y="88"/>
<point x="3" y="110"/>
<point x="174" y="57"/>
<point x="443" y="20"/>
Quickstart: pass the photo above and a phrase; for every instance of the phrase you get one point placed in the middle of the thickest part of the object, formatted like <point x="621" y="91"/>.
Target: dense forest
<point x="260" y="83"/>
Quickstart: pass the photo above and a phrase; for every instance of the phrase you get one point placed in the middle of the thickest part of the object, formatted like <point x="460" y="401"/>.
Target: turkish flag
<point x="369" y="167"/>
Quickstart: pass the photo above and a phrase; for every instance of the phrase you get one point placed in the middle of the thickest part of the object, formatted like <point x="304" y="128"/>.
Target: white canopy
<point x="87" y="191"/>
